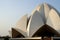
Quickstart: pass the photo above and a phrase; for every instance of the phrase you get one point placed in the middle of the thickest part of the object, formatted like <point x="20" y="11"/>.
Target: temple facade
<point x="43" y="22"/>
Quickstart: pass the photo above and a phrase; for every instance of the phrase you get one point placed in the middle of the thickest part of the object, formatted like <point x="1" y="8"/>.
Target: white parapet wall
<point x="33" y="38"/>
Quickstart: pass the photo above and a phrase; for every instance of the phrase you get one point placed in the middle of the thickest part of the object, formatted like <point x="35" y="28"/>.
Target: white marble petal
<point x="54" y="20"/>
<point x="22" y="23"/>
<point x="34" y="24"/>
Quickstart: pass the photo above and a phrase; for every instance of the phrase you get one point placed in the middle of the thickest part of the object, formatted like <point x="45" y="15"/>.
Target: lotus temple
<point x="43" y="23"/>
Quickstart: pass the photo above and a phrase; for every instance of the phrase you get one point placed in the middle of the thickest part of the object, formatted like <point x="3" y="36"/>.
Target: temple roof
<point x="41" y="15"/>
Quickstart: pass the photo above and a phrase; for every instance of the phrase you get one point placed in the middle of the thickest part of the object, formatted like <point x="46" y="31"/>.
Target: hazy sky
<point x="12" y="10"/>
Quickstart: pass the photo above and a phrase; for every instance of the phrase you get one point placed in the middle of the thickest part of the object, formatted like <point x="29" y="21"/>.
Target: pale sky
<point x="12" y="10"/>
